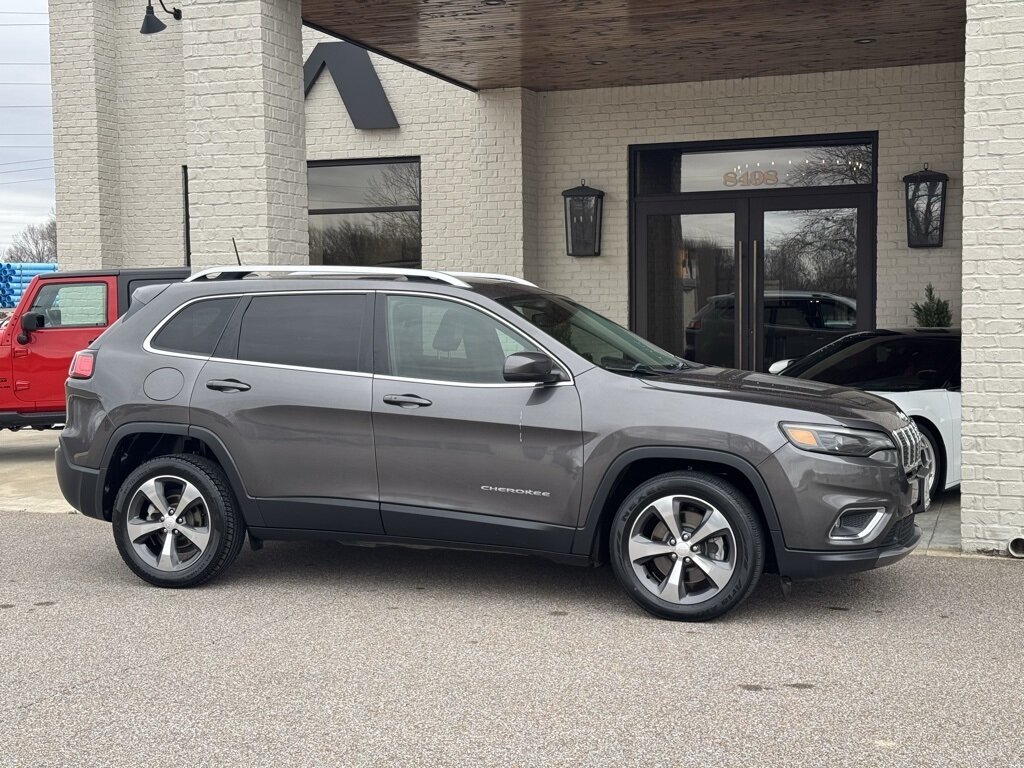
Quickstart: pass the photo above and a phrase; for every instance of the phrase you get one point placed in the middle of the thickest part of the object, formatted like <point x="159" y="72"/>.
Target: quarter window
<point x="308" y="331"/>
<point x="197" y="328"/>
<point x="72" y="305"/>
<point x="447" y="341"/>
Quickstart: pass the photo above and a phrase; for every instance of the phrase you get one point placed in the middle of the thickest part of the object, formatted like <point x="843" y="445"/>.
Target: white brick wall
<point x="245" y="133"/>
<point x="917" y="112"/>
<point x="84" y="51"/>
<point x="993" y="277"/>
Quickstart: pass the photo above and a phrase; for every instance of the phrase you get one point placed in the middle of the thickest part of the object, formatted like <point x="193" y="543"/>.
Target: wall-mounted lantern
<point x="926" y="208"/>
<point x="583" y="207"/>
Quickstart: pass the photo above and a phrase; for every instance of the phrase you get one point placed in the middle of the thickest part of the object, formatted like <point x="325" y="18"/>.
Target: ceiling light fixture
<point x="598" y="62"/>
<point x="494" y="2"/>
<point x="864" y="40"/>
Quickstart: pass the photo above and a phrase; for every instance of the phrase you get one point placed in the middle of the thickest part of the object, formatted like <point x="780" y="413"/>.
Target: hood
<point x="840" y="403"/>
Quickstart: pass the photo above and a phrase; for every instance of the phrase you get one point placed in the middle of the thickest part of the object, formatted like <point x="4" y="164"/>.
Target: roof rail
<point x="237" y="273"/>
<point x="450" y="278"/>
<point x="494" y="276"/>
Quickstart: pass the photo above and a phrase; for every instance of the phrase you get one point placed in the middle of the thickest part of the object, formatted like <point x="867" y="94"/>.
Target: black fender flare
<point x="586" y="537"/>
<point x="250" y="510"/>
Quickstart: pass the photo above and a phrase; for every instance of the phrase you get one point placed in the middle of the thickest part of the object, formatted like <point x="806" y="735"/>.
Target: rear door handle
<point x="227" y="385"/>
<point x="406" y="401"/>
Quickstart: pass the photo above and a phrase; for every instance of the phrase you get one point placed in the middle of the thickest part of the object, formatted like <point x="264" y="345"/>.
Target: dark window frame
<point x="408" y="159"/>
<point x="867" y="265"/>
<point x="373" y="161"/>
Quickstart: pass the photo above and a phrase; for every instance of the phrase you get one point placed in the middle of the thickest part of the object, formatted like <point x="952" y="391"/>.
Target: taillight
<point x="82" y="365"/>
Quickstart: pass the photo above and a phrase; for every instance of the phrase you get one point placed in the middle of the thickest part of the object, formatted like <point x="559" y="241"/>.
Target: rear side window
<point x="309" y="331"/>
<point x="197" y="328"/>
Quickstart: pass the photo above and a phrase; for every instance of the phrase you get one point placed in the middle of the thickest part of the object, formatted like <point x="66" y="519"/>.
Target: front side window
<point x="197" y="328"/>
<point x="365" y="214"/>
<point x="595" y="338"/>
<point x="72" y="305"/>
<point x="304" y="330"/>
<point x="442" y="340"/>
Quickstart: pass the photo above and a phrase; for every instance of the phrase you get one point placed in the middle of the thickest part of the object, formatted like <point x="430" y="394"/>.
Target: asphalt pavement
<point x="312" y="654"/>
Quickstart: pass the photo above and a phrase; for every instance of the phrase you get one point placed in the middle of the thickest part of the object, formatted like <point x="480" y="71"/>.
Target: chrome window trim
<point x="566" y="371"/>
<point x="148" y="346"/>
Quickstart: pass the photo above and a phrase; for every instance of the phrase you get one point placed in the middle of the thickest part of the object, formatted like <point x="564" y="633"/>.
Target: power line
<point x="26" y="170"/>
<point x="24" y="134"/>
<point x="25" y="162"/>
<point x="24" y="13"/>
<point x="24" y="63"/>
<point x="25" y="181"/>
<point x="13" y="83"/>
<point x="25" y="24"/>
<point x="25" y="106"/>
<point x="26" y="146"/>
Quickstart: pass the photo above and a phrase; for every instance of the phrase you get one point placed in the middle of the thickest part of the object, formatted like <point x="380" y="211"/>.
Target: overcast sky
<point x="26" y="132"/>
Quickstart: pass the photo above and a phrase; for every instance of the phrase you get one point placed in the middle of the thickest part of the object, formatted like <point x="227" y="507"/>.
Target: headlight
<point x="839" y="441"/>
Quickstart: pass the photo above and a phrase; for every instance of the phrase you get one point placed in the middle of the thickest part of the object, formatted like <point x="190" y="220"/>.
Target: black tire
<point x="939" y="480"/>
<point x="747" y="539"/>
<point x="224" y="523"/>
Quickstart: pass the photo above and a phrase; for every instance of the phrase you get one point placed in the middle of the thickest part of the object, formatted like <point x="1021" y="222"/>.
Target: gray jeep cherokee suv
<point x="473" y="411"/>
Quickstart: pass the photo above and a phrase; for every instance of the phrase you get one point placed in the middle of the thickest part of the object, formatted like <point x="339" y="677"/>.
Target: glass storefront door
<point x="745" y="257"/>
<point x="744" y="283"/>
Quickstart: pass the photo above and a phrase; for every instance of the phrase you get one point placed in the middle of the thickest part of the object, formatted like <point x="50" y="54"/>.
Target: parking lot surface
<point x="321" y="654"/>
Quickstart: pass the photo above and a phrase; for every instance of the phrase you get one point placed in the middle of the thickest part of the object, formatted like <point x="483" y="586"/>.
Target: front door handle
<point x="406" y="401"/>
<point x="227" y="385"/>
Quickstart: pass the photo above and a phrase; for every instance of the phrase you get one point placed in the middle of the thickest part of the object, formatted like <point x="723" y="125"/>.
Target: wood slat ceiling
<point x="549" y="45"/>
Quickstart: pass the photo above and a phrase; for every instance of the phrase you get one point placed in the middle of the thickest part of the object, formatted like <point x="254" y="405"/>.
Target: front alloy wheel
<point x="682" y="549"/>
<point x="687" y="546"/>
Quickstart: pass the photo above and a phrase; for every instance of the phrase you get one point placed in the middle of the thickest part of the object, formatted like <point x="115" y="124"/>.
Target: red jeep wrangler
<point x="59" y="314"/>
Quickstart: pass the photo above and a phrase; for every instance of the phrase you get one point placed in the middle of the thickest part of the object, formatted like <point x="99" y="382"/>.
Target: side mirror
<point x="533" y="367"/>
<point x="780" y="365"/>
<point x="30" y="321"/>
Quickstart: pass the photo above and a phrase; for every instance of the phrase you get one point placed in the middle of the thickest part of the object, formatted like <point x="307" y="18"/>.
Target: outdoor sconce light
<point x="583" y="206"/>
<point x="151" y="24"/>
<point x="926" y="208"/>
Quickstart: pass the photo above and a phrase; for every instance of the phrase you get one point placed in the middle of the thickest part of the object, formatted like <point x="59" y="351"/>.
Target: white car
<point x="916" y="368"/>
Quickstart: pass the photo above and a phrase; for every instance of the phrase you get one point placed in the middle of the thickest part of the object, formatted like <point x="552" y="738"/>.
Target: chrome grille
<point x="908" y="444"/>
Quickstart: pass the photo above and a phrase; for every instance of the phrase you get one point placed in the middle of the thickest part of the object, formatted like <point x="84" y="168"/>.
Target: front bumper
<point x="79" y="485"/>
<point x="804" y="565"/>
<point x="812" y="494"/>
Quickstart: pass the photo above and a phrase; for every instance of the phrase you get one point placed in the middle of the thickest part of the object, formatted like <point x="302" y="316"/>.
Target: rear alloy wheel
<point x="175" y="521"/>
<point x="687" y="546"/>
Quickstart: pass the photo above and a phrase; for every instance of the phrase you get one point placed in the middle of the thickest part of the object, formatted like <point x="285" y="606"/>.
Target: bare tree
<point x="829" y="166"/>
<point x="35" y="243"/>
<point x="397" y="186"/>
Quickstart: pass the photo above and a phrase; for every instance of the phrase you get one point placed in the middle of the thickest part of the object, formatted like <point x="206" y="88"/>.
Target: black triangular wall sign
<point x="356" y="81"/>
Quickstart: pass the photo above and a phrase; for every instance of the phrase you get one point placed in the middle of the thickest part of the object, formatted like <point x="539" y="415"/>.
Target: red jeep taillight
<point x="82" y="365"/>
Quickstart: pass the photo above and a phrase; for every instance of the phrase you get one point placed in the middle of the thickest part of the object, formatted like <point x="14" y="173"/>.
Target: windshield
<point x="592" y="337"/>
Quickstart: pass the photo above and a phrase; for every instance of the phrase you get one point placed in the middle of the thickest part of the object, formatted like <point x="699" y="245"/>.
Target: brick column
<point x="83" y="62"/>
<point x="245" y="135"/>
<point x="504" y="181"/>
<point x="993" y="276"/>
